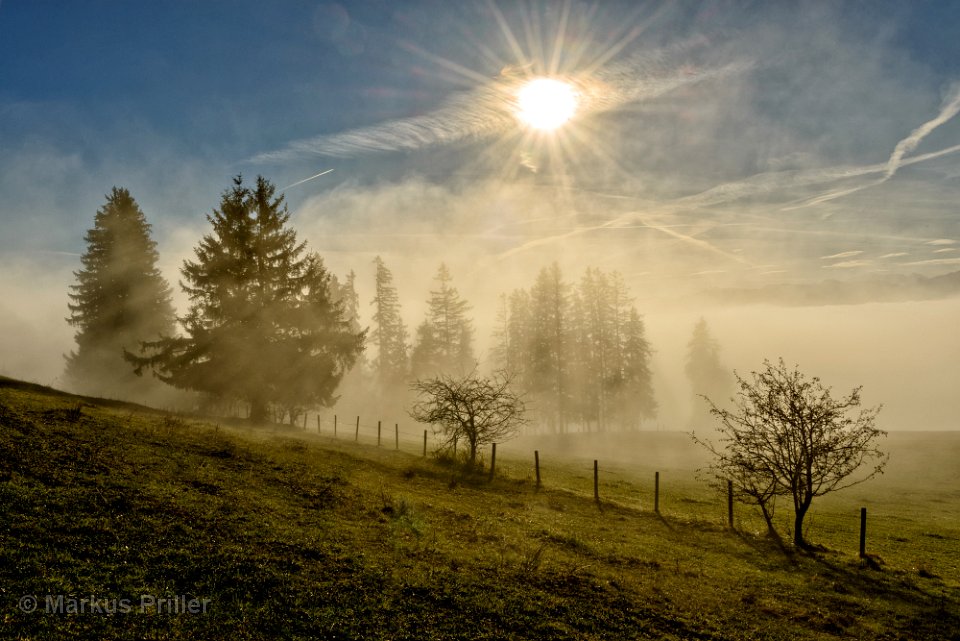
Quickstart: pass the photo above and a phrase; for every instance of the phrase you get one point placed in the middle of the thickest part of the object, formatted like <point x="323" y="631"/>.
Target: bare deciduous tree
<point x="472" y="409"/>
<point x="787" y="436"/>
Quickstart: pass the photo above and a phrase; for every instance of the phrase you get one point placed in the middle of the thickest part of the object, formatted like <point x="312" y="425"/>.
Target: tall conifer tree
<point x="263" y="324"/>
<point x="707" y="376"/>
<point x="445" y="342"/>
<point x="500" y="350"/>
<point x="637" y="401"/>
<point x="519" y="330"/>
<point x="346" y="294"/>
<point x="119" y="299"/>
<point x="389" y="332"/>
<point x="550" y="307"/>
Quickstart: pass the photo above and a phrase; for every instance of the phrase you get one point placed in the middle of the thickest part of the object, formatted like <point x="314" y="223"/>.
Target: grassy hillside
<point x="313" y="538"/>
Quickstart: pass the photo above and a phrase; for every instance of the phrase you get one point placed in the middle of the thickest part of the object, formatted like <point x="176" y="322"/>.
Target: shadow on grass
<point x="768" y="546"/>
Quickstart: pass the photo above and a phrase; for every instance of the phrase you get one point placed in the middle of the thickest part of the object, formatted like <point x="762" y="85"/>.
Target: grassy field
<point x="295" y="536"/>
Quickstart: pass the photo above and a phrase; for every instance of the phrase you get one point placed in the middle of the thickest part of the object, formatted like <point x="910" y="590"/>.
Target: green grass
<point x="318" y="538"/>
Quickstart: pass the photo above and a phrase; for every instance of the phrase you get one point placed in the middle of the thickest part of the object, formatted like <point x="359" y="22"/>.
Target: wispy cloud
<point x="934" y="261"/>
<point x="848" y="264"/>
<point x="488" y="109"/>
<point x="942" y="241"/>
<point x="847" y="254"/>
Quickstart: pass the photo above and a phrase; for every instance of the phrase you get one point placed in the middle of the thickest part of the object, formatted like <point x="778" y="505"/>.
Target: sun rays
<point x="579" y="108"/>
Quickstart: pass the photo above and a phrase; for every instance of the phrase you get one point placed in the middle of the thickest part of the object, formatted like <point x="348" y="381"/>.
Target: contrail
<point x="908" y="144"/>
<point x="950" y="108"/>
<point x="770" y="182"/>
<point x="696" y="242"/>
<point x="300" y="182"/>
<point x="758" y="184"/>
<point x="615" y="222"/>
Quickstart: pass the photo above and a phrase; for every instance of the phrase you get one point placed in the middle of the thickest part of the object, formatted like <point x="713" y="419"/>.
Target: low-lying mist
<point x="496" y="236"/>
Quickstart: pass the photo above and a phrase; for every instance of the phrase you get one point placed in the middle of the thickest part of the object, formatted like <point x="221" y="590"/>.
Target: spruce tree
<point x="346" y="294"/>
<point x="389" y="333"/>
<point x="445" y="345"/>
<point x="519" y="330"/>
<point x="500" y="350"/>
<point x="356" y="385"/>
<point x="550" y="307"/>
<point x="579" y="360"/>
<point x="119" y="299"/>
<point x="318" y="342"/>
<point x="599" y="349"/>
<point x="424" y="358"/>
<point x="263" y="326"/>
<point x="705" y="372"/>
<point x="638" y="401"/>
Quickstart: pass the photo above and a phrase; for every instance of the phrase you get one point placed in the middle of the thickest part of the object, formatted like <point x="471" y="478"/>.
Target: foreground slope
<point x="315" y="538"/>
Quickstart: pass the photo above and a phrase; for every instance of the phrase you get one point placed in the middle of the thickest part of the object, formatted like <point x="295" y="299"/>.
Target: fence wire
<point x="677" y="497"/>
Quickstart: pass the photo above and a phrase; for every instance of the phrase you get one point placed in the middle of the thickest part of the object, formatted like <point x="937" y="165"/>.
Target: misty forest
<point x="270" y="332"/>
<point x="482" y="320"/>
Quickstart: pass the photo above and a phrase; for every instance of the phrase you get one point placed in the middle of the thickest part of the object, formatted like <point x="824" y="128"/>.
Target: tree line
<point x="578" y="350"/>
<point x="270" y="327"/>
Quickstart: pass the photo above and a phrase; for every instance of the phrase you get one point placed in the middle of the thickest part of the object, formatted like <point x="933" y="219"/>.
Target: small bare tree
<point x="786" y="436"/>
<point x="476" y="410"/>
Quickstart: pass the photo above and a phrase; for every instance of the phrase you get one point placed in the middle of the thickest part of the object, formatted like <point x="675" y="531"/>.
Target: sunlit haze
<point x="786" y="171"/>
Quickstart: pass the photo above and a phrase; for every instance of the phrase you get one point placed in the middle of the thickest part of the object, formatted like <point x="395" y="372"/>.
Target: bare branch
<point x="476" y="410"/>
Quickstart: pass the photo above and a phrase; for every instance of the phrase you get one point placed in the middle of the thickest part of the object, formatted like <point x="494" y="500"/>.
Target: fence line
<point x="829" y="523"/>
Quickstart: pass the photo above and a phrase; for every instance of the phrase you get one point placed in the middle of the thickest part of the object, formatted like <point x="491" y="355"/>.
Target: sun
<point x="546" y="103"/>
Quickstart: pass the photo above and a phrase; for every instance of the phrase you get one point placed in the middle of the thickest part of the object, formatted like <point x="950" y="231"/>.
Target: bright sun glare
<point x="545" y="103"/>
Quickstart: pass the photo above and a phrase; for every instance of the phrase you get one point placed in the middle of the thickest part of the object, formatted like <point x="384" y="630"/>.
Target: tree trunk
<point x="769" y="519"/>
<point x="473" y="453"/>
<point x="258" y="411"/>
<point x="801" y="511"/>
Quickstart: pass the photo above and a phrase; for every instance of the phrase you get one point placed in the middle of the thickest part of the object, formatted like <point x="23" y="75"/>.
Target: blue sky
<point x="172" y="98"/>
<point x="718" y="144"/>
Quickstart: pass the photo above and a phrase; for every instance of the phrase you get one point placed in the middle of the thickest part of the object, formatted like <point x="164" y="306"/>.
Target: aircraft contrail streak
<point x="950" y="108"/>
<point x="300" y="182"/>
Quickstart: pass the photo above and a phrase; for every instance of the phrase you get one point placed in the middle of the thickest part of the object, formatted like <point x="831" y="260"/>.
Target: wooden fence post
<point x="596" y="481"/>
<point x="730" y="504"/>
<point x="424" y="443"/>
<point x="357" y="436"/>
<point x="396" y="430"/>
<point x="493" y="460"/>
<point x="378" y="433"/>
<point x="656" y="492"/>
<point x="536" y="464"/>
<point x="863" y="532"/>
<point x="334" y="426"/>
<point x="318" y="423"/>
